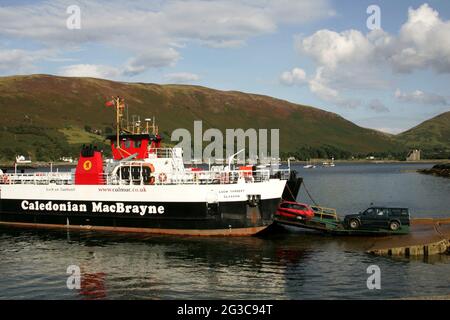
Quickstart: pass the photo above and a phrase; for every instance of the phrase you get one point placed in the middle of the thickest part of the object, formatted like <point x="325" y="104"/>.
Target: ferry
<point x="147" y="188"/>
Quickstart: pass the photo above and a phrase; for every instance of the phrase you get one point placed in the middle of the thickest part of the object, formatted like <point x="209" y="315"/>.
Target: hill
<point x="433" y="134"/>
<point x="47" y="115"/>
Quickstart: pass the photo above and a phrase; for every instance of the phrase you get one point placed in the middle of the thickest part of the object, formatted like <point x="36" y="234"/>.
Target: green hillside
<point x="433" y="133"/>
<point x="46" y="116"/>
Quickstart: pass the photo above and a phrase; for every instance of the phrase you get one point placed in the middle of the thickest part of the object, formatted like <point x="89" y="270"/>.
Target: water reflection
<point x="282" y="266"/>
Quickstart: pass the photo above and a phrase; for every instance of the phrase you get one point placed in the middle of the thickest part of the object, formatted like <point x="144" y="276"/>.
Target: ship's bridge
<point x="129" y="144"/>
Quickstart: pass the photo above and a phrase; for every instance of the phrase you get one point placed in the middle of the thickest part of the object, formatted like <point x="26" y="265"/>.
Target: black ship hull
<point x="239" y="218"/>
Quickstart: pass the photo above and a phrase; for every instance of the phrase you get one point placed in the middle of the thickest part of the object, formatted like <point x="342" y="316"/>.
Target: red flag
<point x="109" y="103"/>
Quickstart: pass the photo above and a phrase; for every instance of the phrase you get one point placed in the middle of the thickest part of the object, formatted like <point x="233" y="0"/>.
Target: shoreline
<point x="41" y="164"/>
<point x="36" y="165"/>
<point x="439" y="170"/>
<point x="365" y="161"/>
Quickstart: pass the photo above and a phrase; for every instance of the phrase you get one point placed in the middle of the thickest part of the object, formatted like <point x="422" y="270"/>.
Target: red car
<point x="295" y="210"/>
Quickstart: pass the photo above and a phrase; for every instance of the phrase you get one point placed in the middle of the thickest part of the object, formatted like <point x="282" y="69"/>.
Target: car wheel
<point x="394" y="225"/>
<point x="354" y="224"/>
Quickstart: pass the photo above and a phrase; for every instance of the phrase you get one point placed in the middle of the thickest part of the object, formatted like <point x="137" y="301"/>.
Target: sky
<point x="380" y="64"/>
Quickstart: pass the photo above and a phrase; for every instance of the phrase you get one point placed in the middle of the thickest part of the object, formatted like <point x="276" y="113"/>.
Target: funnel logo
<point x="87" y="165"/>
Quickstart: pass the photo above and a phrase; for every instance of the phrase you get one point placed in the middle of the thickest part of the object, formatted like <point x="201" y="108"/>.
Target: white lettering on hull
<point x="119" y="207"/>
<point x="99" y="207"/>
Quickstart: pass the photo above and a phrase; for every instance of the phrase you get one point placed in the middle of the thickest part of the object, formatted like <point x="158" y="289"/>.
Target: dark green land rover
<point x="375" y="218"/>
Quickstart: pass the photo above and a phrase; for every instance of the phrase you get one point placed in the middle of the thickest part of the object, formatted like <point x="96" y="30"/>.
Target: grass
<point x="78" y="136"/>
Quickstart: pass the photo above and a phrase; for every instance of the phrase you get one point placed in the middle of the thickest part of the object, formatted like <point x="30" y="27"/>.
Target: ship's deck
<point x="184" y="177"/>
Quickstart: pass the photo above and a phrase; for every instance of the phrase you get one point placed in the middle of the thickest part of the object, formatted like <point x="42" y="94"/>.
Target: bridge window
<point x="138" y="143"/>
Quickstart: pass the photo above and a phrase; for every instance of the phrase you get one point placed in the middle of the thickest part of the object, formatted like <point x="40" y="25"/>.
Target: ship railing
<point x="325" y="213"/>
<point x="186" y="177"/>
<point x="198" y="177"/>
<point x="163" y="153"/>
<point x="43" y="178"/>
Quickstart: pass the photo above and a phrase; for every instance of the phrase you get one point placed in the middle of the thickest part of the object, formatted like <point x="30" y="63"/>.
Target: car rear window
<point x="399" y="212"/>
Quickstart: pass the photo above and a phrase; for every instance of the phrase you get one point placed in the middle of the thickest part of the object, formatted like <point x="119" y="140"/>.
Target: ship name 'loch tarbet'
<point x="144" y="188"/>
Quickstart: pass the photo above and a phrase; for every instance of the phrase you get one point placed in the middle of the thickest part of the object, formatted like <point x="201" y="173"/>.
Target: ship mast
<point x="136" y="129"/>
<point x="117" y="103"/>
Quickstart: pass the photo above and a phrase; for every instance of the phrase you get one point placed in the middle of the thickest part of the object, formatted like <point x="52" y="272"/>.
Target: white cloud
<point x="377" y="106"/>
<point x="151" y="31"/>
<point x="22" y="61"/>
<point x="181" y="77"/>
<point x="321" y="88"/>
<point x="293" y="11"/>
<point x="390" y="130"/>
<point x="152" y="58"/>
<point x="353" y="60"/>
<point x="318" y="85"/>
<point x="295" y="76"/>
<point x="90" y="70"/>
<point x="423" y="42"/>
<point x="19" y="60"/>
<point x="329" y="48"/>
<point x="344" y="61"/>
<point x="420" y="97"/>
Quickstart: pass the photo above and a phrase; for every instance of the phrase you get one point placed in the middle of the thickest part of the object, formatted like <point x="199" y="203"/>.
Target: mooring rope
<point x="292" y="195"/>
<point x="307" y="192"/>
<point x="309" y="195"/>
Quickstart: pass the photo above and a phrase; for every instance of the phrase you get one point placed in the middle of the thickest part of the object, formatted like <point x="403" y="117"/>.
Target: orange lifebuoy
<point x="224" y="178"/>
<point x="162" y="177"/>
<point x="5" y="179"/>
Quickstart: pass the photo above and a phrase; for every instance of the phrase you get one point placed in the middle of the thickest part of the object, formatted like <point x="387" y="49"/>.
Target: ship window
<point x="138" y="143"/>
<point x="125" y="173"/>
<point x="127" y="144"/>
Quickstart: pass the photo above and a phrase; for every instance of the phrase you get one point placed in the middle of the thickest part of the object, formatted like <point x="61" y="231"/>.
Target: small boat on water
<point x="22" y="160"/>
<point x="329" y="163"/>
<point x="309" y="165"/>
<point x="145" y="188"/>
